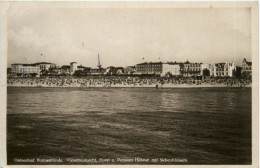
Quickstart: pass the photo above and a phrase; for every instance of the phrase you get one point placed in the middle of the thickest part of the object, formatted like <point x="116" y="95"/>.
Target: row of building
<point x="192" y="69"/>
<point x="46" y="68"/>
<point x="157" y="68"/>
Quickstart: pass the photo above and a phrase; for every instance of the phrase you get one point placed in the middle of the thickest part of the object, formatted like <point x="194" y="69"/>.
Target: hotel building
<point x="149" y="68"/>
<point x="170" y="68"/>
<point x="45" y="66"/>
<point x="222" y="69"/>
<point x="192" y="69"/>
<point x="26" y="69"/>
<point x="246" y="68"/>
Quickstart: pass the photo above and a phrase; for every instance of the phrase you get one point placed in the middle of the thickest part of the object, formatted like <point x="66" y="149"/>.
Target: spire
<point x="99" y="65"/>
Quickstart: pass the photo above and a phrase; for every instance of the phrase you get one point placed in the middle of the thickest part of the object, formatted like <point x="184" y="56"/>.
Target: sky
<point x="124" y="37"/>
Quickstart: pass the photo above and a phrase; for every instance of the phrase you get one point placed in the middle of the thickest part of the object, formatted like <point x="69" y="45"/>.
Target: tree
<point x="19" y="74"/>
<point x="237" y="72"/>
<point x="206" y="72"/>
<point x="33" y="74"/>
<point x="44" y="72"/>
<point x="168" y="74"/>
<point x="52" y="70"/>
<point x="9" y="70"/>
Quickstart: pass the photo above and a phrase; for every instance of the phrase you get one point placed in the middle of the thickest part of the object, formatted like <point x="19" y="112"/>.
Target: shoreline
<point x="136" y="86"/>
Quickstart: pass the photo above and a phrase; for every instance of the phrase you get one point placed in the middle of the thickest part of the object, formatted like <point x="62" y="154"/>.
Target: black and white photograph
<point x="130" y="83"/>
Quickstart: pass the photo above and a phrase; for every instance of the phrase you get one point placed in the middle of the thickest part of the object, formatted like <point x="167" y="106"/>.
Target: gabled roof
<point x="247" y="62"/>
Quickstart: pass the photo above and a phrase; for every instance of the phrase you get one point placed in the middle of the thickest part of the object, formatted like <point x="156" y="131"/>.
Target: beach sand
<point x="130" y="85"/>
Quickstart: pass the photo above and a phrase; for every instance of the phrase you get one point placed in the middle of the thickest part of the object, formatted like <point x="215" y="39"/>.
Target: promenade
<point x="125" y="82"/>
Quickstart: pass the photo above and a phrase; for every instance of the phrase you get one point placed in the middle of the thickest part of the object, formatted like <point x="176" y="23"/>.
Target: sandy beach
<point x="205" y="85"/>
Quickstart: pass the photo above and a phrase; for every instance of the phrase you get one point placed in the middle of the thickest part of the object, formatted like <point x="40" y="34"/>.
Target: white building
<point x="73" y="67"/>
<point x="191" y="69"/>
<point x="172" y="68"/>
<point x="45" y="66"/>
<point x="26" y="69"/>
<point x="222" y="69"/>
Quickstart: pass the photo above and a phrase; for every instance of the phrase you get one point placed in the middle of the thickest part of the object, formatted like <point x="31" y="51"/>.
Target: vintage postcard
<point x="129" y="84"/>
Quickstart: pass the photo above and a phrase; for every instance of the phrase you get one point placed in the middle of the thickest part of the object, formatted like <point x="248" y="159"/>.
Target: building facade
<point x="246" y="68"/>
<point x="149" y="68"/>
<point x="191" y="69"/>
<point x="83" y="68"/>
<point x="222" y="69"/>
<point x="170" y="68"/>
<point x="45" y="66"/>
<point x="97" y="71"/>
<point x="26" y="69"/>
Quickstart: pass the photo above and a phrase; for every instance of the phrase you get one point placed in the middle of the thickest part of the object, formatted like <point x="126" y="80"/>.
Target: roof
<point x="37" y="63"/>
<point x="247" y="62"/>
<point x="25" y="64"/>
<point x="149" y="63"/>
<point x="29" y="64"/>
<point x="173" y="63"/>
<point x="80" y="66"/>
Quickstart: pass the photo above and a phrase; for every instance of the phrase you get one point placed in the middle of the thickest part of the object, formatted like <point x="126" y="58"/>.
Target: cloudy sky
<point x="125" y="36"/>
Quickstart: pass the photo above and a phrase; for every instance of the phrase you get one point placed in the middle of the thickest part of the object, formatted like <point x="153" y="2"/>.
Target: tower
<point x="73" y="67"/>
<point x="99" y="65"/>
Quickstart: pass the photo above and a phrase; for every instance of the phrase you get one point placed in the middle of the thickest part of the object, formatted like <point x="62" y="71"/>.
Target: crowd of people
<point x="116" y="81"/>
